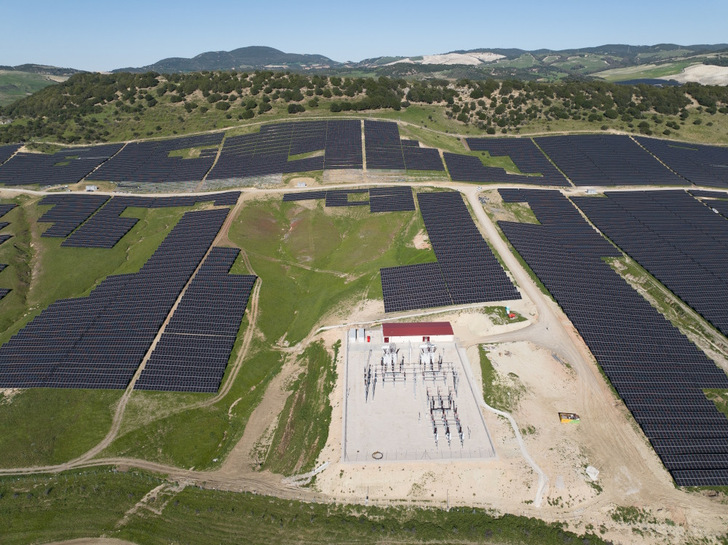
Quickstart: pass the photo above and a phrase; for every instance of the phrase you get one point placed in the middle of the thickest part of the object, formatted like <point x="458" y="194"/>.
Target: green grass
<point x="720" y="398"/>
<point x="51" y="426"/>
<point x="313" y="260"/>
<point x="92" y="503"/>
<point x="646" y="72"/>
<point x="499" y="392"/>
<point x="303" y="426"/>
<point x="499" y="316"/>
<point x="160" y="427"/>
<point x="72" y="505"/>
<point x="522" y="212"/>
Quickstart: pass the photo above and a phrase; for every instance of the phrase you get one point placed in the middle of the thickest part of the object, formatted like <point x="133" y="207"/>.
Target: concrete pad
<point x="391" y="415"/>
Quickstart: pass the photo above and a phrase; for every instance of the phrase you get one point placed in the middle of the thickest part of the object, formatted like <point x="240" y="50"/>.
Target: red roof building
<point x="418" y="332"/>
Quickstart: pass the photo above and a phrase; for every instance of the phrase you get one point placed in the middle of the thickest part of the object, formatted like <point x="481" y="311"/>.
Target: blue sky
<point x="104" y="35"/>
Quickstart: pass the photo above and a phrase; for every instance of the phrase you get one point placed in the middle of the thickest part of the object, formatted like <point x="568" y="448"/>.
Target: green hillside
<point x="15" y="85"/>
<point x="92" y="107"/>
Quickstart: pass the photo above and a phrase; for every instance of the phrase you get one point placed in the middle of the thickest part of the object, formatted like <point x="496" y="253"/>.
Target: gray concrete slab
<point x="391" y="412"/>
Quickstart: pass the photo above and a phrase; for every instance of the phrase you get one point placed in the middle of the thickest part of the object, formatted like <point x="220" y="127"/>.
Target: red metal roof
<point x="417" y="329"/>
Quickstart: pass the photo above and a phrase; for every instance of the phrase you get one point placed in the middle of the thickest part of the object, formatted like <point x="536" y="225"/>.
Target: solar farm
<point x="535" y="249"/>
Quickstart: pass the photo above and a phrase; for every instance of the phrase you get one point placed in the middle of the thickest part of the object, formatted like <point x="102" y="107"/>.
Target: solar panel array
<point x="343" y="145"/>
<point x="195" y="347"/>
<point x="676" y="238"/>
<point x="468" y="168"/>
<point x="468" y="270"/>
<point x="381" y="199"/>
<point x="68" y="212"/>
<point x="525" y="155"/>
<point x="340" y="197"/>
<point x="417" y="158"/>
<point x="64" y="167"/>
<point x="149" y="162"/>
<point x="281" y="148"/>
<point x="720" y="206"/>
<point x="606" y="159"/>
<point x="99" y="341"/>
<point x="4" y="209"/>
<point x="656" y="370"/>
<point x="385" y="149"/>
<point x="701" y="164"/>
<point x="6" y="152"/>
<point x="105" y="228"/>
<point x="268" y="151"/>
<point x="391" y="199"/>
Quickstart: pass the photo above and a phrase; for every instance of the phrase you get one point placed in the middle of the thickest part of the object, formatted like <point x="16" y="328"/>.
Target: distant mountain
<point x="615" y="62"/>
<point x="244" y="58"/>
<point x="41" y="69"/>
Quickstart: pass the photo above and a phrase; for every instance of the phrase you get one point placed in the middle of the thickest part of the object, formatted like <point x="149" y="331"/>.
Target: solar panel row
<point x="468" y="270"/>
<point x="656" y="370"/>
<point x="381" y="199"/>
<point x="64" y="167"/>
<point x="525" y="155"/>
<point x="606" y="159"/>
<point x="99" y="341"/>
<point x="195" y="347"/>
<point x="675" y="237"/>
<point x="150" y="162"/>
<point x="700" y="164"/>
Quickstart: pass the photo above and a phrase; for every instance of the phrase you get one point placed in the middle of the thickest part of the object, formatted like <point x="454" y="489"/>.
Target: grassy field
<point x="15" y="85"/>
<point x="92" y="503"/>
<point x="44" y="508"/>
<point x="304" y="422"/>
<point x="160" y="426"/>
<point x="312" y="260"/>
<point x="51" y="426"/>
<point x="646" y="71"/>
